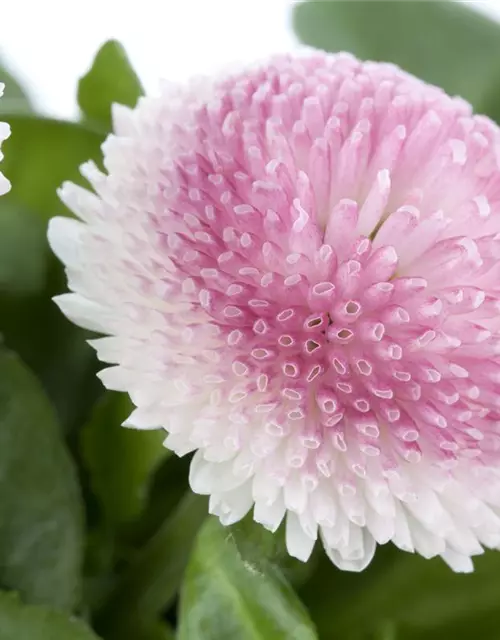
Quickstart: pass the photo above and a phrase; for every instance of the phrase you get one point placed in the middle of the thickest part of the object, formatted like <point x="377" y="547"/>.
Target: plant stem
<point x="151" y="582"/>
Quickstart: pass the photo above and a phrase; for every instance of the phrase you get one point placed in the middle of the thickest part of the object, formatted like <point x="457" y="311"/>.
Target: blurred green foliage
<point x="19" y="621"/>
<point x="15" y="98"/>
<point x="120" y="481"/>
<point x="41" y="528"/>
<point x="444" y="43"/>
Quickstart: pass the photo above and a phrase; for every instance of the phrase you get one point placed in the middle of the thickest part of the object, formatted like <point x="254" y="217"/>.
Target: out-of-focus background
<point x="50" y="44"/>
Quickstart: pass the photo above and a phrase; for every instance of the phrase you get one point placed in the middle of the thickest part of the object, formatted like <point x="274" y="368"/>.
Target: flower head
<point x="4" y="134"/>
<point x="297" y="270"/>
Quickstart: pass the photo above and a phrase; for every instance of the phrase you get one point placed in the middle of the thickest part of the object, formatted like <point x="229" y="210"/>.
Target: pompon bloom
<point x="297" y="268"/>
<point x="4" y="134"/>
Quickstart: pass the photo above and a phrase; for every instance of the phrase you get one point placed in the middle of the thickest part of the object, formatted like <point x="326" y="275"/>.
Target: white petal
<point x="426" y="544"/>
<point x="295" y="493"/>
<point x="271" y="515"/>
<point x="463" y="540"/>
<point x="457" y="561"/>
<point x="64" y="236"/>
<point x="108" y="349"/>
<point x="337" y="535"/>
<point x="123" y="120"/>
<point x="145" y="418"/>
<point x="117" y="378"/>
<point x="219" y="452"/>
<point x="381" y="527"/>
<point x="178" y="443"/>
<point x="91" y="172"/>
<point x="266" y="488"/>
<point x="323" y="506"/>
<point x="308" y="523"/>
<point x="402" y="534"/>
<point x="232" y="506"/>
<point x="298" y="543"/>
<point x="83" y="312"/>
<point x="211" y="477"/>
<point x="4" y="131"/>
<point x="380" y="498"/>
<point x="201" y="474"/>
<point x="82" y="202"/>
<point x="368" y="550"/>
<point x="4" y="185"/>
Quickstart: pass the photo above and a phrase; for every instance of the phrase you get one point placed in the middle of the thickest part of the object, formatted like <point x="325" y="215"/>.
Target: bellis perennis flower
<point x="4" y="134"/>
<point x="297" y="271"/>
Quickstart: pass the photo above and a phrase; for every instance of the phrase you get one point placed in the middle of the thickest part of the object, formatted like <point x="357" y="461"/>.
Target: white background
<point x="50" y="43"/>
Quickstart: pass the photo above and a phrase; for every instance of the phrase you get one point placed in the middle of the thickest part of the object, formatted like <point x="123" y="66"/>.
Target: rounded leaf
<point x="40" y="503"/>
<point x="121" y="480"/>
<point x="225" y="597"/>
<point x="111" y="79"/>
<point x="24" y="622"/>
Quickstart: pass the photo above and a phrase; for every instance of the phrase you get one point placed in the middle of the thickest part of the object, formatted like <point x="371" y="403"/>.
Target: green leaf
<point x="40" y="505"/>
<point x="14" y="99"/>
<point x="386" y="631"/>
<point x="40" y="155"/>
<point x="27" y="622"/>
<point x="22" y="272"/>
<point x="121" y="480"/>
<point x="99" y="566"/>
<point x="330" y="590"/>
<point x="156" y="631"/>
<point x="55" y="350"/>
<point x="225" y="597"/>
<point x="418" y="597"/>
<point x="110" y="79"/>
<point x="483" y="625"/>
<point x="168" y="485"/>
<point x="149" y="585"/>
<point x="53" y="347"/>
<point x="445" y="43"/>
<point x="151" y="631"/>
<point x="260" y="547"/>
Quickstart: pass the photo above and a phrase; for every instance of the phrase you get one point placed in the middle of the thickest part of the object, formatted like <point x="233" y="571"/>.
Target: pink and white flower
<point x="297" y="270"/>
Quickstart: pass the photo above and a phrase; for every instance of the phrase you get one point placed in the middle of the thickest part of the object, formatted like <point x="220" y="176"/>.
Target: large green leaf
<point x="423" y="598"/>
<point x="27" y="622"/>
<point x="40" y="505"/>
<point x="110" y="79"/>
<point x="443" y="42"/>
<point x="225" y="597"/>
<point x="14" y="99"/>
<point x="120" y="461"/>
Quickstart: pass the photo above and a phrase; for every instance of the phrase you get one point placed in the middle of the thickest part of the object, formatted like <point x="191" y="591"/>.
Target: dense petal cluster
<point x="297" y="271"/>
<point x="4" y="134"/>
